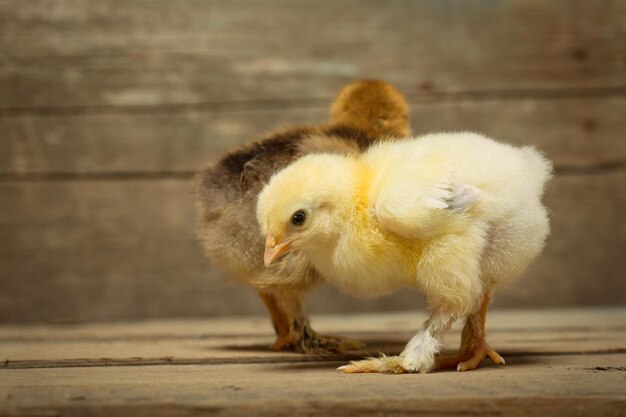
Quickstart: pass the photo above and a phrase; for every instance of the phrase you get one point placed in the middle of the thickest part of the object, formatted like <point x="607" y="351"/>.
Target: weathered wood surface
<point x="577" y="133"/>
<point x="559" y="362"/>
<point x="107" y="109"/>
<point x="149" y="264"/>
<point x="76" y="54"/>
<point x="245" y="340"/>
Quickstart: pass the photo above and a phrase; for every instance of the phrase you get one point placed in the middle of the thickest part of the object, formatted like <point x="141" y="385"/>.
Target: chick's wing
<point x="413" y="208"/>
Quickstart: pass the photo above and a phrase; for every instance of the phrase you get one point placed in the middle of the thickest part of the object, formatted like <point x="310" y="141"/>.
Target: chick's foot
<point x="470" y="359"/>
<point x="316" y="344"/>
<point x="474" y="348"/>
<point x="383" y="365"/>
<point x="418" y="356"/>
<point x="327" y="345"/>
<point x="481" y="351"/>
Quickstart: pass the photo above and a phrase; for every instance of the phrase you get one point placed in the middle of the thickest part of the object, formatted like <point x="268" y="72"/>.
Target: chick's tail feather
<point x="540" y="168"/>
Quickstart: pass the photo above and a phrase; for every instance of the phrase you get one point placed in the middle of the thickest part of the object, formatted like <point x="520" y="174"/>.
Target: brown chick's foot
<point x="471" y="359"/>
<point x="282" y="342"/>
<point x="325" y="345"/>
<point x="316" y="344"/>
<point x="383" y="365"/>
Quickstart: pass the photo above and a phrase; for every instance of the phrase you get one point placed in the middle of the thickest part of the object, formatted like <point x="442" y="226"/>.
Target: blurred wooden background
<point x="108" y="108"/>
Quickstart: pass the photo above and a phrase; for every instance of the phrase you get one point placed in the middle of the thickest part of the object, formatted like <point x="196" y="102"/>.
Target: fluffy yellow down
<point x="451" y="214"/>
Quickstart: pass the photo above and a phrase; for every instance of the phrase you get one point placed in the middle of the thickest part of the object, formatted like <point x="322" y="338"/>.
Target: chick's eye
<point x="298" y="218"/>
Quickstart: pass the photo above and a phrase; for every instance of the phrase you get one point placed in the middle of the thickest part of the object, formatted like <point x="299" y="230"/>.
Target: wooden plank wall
<point x="108" y="108"/>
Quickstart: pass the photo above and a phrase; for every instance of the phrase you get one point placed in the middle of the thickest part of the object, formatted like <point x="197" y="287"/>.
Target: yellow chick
<point x="453" y="215"/>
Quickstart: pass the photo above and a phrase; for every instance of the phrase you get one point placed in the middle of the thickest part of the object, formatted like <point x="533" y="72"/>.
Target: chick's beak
<point x="274" y="249"/>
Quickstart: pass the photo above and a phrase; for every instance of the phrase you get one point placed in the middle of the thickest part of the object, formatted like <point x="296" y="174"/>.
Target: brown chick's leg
<point x="474" y="348"/>
<point x="279" y="321"/>
<point x="293" y="330"/>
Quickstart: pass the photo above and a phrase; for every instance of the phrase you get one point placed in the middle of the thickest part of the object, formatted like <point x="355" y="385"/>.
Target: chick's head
<point x="301" y="206"/>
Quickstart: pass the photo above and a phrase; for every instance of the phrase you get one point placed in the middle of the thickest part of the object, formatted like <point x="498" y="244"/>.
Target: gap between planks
<point x="310" y="102"/>
<point x="593" y="168"/>
<point x="104" y="362"/>
<point x="453" y="407"/>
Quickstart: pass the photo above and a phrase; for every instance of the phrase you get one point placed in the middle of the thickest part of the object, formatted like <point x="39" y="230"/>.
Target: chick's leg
<point x="279" y="319"/>
<point x="474" y="348"/>
<point x="418" y="355"/>
<point x="293" y="330"/>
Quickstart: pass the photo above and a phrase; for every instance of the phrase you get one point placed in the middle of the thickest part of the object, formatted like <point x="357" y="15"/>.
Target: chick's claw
<point x="383" y="365"/>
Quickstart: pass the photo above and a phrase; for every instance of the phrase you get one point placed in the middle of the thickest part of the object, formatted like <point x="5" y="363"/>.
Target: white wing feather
<point x="410" y="209"/>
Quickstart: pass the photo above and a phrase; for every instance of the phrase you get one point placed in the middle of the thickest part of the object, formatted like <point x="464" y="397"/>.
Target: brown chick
<point x="227" y="191"/>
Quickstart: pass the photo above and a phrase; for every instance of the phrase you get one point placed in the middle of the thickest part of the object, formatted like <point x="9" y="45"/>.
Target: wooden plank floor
<point x="559" y="362"/>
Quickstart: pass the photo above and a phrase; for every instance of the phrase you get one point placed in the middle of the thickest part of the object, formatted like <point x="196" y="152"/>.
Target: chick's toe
<point x="383" y="365"/>
<point x="322" y="345"/>
<point x="471" y="359"/>
<point x="330" y="345"/>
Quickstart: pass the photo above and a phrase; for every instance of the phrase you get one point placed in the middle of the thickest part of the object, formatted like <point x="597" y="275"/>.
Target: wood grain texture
<point x="89" y="249"/>
<point x="107" y="109"/>
<point x="559" y="362"/>
<point x="575" y="133"/>
<point x="104" y="144"/>
<point x="73" y="54"/>
<point x="247" y="340"/>
<point x="100" y="250"/>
